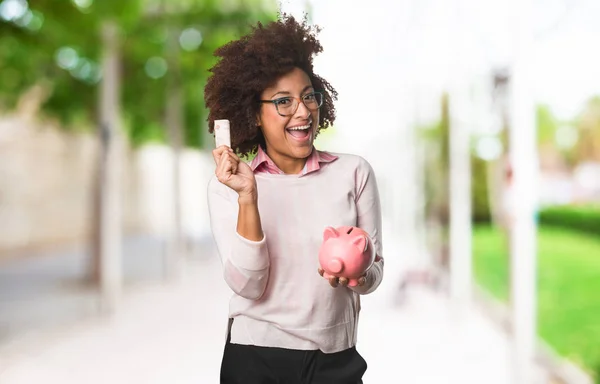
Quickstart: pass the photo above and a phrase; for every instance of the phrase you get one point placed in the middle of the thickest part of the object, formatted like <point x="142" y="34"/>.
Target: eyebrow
<point x="287" y="93"/>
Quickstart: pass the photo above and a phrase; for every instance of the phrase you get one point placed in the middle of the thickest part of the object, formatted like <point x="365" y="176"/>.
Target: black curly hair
<point x="255" y="62"/>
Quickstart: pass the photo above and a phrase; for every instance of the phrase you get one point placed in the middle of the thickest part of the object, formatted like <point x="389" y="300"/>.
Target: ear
<point x="329" y="233"/>
<point x="361" y="243"/>
<point x="258" y="122"/>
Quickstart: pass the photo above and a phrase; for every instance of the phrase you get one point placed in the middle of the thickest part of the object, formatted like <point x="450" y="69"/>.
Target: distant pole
<point x="460" y="180"/>
<point x="460" y="200"/>
<point x="110" y="237"/>
<point x="524" y="160"/>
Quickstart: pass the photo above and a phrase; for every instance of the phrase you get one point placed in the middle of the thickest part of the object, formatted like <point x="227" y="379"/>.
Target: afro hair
<point x="255" y="62"/>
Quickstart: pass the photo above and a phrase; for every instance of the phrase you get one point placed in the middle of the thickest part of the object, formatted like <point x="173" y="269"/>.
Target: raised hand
<point x="233" y="172"/>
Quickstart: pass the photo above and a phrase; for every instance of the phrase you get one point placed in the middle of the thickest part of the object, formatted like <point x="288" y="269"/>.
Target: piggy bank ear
<point x="360" y="242"/>
<point x="329" y="233"/>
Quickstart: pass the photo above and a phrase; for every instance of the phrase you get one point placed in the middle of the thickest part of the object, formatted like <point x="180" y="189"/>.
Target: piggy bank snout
<point x="335" y="265"/>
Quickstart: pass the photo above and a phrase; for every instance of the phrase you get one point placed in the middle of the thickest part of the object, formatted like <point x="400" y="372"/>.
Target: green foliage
<point x="30" y="56"/>
<point x="437" y="139"/>
<point x="150" y="39"/>
<point x="434" y="186"/>
<point x="547" y="125"/>
<point x="588" y="130"/>
<point x="568" y="286"/>
<point x="582" y="218"/>
<point x="480" y="204"/>
<point x="126" y="13"/>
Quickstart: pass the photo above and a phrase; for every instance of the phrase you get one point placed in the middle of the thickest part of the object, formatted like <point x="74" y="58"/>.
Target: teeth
<point x="300" y="128"/>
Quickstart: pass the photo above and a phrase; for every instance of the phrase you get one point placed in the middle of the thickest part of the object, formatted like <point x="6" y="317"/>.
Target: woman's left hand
<point x="343" y="281"/>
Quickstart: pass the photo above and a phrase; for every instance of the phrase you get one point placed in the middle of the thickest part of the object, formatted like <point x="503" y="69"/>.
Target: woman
<point x="287" y="323"/>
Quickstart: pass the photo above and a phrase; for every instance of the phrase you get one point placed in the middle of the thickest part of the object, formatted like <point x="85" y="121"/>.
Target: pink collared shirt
<point x="263" y="163"/>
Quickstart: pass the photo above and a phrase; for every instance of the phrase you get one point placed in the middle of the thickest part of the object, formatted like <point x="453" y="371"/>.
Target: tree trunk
<point x="174" y="120"/>
<point x="107" y="217"/>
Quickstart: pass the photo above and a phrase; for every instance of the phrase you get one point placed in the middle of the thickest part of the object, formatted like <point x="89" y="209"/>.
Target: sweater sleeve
<point x="245" y="262"/>
<point x="369" y="219"/>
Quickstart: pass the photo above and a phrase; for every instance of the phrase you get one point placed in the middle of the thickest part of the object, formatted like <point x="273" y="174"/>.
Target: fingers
<point x="224" y="167"/>
<point x="227" y="165"/>
<point x="217" y="152"/>
<point x="333" y="281"/>
<point x="233" y="155"/>
<point x="231" y="160"/>
<point x="361" y="281"/>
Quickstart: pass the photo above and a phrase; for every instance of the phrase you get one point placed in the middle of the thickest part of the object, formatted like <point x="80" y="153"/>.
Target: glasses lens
<point x="313" y="100"/>
<point x="286" y="106"/>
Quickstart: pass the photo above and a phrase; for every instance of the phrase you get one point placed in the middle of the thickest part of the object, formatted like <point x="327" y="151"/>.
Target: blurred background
<point x="480" y="118"/>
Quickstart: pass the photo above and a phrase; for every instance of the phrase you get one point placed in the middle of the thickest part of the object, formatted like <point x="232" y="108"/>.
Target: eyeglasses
<point x="288" y="105"/>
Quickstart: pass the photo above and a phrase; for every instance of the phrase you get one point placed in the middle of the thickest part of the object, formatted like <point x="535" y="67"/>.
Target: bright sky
<point x="568" y="60"/>
<point x="566" y="56"/>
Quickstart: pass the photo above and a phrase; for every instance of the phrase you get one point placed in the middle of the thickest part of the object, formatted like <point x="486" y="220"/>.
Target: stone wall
<point x="46" y="185"/>
<point x="47" y="180"/>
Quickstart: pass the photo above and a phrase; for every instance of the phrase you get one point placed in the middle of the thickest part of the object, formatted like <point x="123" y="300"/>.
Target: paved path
<point x="174" y="332"/>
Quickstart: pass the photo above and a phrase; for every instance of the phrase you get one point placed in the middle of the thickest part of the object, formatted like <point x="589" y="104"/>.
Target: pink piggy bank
<point x="346" y="252"/>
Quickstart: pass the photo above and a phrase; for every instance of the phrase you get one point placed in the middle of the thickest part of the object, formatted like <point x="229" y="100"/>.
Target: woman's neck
<point x="288" y="165"/>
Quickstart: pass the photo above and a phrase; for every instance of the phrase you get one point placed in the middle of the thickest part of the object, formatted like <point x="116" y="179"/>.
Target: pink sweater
<point x="279" y="298"/>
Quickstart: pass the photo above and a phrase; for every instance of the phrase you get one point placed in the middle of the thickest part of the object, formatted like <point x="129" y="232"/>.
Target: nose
<point x="302" y="111"/>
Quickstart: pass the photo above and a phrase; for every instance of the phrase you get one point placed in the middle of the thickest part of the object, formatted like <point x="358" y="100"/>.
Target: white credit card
<point x="222" y="134"/>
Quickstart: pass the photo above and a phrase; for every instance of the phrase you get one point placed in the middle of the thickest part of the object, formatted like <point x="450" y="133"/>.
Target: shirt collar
<point x="263" y="163"/>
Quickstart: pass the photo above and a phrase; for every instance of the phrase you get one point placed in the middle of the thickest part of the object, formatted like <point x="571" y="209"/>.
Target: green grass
<point x="568" y="288"/>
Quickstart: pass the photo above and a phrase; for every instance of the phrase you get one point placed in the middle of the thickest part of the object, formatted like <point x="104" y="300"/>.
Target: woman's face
<point x="289" y="138"/>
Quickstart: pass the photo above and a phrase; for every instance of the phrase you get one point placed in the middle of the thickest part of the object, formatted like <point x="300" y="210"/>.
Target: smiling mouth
<point x="301" y="133"/>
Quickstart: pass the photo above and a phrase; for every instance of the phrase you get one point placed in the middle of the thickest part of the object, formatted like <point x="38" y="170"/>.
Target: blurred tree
<point x="158" y="54"/>
<point x="56" y="43"/>
<point x="437" y="194"/>
<point x="577" y="140"/>
<point x="480" y="195"/>
<point x="588" y="127"/>
<point x="547" y="125"/>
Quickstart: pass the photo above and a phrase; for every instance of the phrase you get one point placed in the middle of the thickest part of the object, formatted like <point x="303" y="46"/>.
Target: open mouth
<point x="300" y="133"/>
